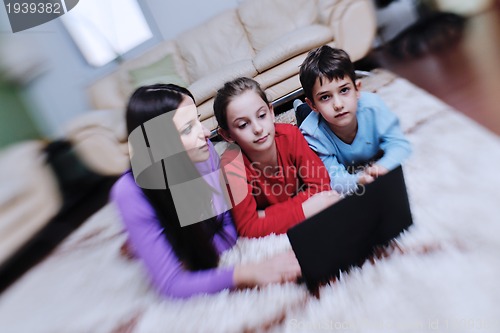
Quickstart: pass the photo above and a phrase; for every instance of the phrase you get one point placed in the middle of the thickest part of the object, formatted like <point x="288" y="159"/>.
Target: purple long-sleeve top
<point x="148" y="242"/>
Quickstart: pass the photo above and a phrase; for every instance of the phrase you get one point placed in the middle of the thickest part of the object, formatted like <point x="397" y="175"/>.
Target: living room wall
<point x="57" y="94"/>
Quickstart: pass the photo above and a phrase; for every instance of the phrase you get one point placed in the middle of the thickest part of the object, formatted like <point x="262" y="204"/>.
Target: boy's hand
<point x="376" y="170"/>
<point x="364" y="178"/>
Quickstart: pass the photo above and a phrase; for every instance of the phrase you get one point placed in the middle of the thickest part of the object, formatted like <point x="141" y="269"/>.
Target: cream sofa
<point x="263" y="39"/>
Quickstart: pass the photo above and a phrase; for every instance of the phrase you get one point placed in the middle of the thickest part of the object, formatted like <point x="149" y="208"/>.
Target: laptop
<point x="345" y="234"/>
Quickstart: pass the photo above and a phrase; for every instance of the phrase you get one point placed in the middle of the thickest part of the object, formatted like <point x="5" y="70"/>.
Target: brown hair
<point x="229" y="91"/>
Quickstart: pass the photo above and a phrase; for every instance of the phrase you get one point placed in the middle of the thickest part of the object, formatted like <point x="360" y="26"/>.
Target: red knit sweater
<point x="301" y="174"/>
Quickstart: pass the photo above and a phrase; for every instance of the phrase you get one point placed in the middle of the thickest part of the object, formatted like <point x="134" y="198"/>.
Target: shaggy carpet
<point x="445" y="281"/>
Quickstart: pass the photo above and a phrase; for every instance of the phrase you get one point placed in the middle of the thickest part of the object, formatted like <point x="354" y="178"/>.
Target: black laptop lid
<point x="344" y="234"/>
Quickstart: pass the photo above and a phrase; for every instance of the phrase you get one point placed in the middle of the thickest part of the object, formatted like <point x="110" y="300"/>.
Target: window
<point x="104" y="30"/>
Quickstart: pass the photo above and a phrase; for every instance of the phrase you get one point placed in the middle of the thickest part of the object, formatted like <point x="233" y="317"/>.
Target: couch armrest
<point x="101" y="151"/>
<point x="353" y="23"/>
<point x="99" y="138"/>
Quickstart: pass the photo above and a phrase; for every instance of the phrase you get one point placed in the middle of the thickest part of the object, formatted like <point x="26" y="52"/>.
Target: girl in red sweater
<point x="279" y="181"/>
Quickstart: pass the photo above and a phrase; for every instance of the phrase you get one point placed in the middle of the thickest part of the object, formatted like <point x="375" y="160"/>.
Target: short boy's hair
<point x="325" y="62"/>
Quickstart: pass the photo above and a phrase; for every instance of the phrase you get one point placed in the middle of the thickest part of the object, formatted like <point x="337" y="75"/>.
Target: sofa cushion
<point x="291" y="44"/>
<point x="161" y="71"/>
<point x="166" y="54"/>
<point x="265" y="21"/>
<point x="284" y="70"/>
<point x="214" y="45"/>
<point x="283" y="88"/>
<point x="99" y="138"/>
<point x="281" y="72"/>
<point x="101" y="152"/>
<point x="207" y="86"/>
<point x="113" y="90"/>
<point x="108" y="92"/>
<point x="326" y="8"/>
<point x="210" y="123"/>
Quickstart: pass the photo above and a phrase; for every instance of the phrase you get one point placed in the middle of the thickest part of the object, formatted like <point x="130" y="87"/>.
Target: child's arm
<point x="319" y="201"/>
<point x="311" y="169"/>
<point x="250" y="222"/>
<point x="278" y="217"/>
<point x="375" y="170"/>
<point x="148" y="242"/>
<point x="315" y="193"/>
<point x="392" y="140"/>
<point x="341" y="180"/>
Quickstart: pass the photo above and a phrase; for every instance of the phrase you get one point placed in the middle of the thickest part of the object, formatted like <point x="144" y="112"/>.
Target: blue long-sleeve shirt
<point x="378" y="129"/>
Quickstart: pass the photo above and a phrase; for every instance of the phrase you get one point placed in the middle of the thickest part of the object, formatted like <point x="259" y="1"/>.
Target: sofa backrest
<point x="160" y="61"/>
<point x="266" y="21"/>
<point x="220" y="41"/>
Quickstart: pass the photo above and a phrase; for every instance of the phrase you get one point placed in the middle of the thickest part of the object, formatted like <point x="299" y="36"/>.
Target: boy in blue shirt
<point x="353" y="132"/>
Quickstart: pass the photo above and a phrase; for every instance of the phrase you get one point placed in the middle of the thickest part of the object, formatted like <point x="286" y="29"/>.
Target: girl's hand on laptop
<point x="280" y="268"/>
<point x="319" y="201"/>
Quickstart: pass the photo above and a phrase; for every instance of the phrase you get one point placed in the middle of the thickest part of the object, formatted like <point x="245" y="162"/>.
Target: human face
<point x="193" y="134"/>
<point x="250" y="123"/>
<point x="337" y="102"/>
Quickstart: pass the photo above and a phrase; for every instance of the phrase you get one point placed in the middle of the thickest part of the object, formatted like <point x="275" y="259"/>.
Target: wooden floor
<point x="465" y="74"/>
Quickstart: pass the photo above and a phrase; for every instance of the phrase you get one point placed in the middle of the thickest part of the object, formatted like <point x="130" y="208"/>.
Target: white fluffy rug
<point x="454" y="190"/>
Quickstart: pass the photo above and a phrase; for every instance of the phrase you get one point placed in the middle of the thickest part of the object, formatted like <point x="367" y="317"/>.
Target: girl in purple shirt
<point x="173" y="205"/>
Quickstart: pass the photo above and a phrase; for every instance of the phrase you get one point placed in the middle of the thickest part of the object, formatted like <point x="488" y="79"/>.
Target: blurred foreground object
<point x="41" y="180"/>
<point x="29" y="195"/>
<point x="466" y="8"/>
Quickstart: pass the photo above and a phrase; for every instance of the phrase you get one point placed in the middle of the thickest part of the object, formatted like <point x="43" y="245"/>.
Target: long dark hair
<point x="193" y="244"/>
